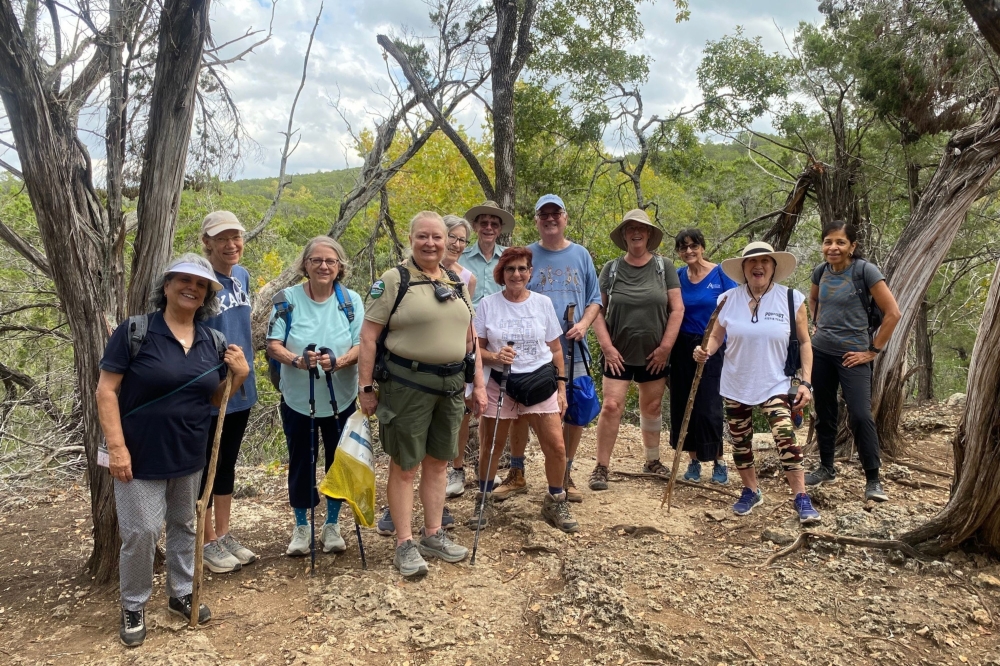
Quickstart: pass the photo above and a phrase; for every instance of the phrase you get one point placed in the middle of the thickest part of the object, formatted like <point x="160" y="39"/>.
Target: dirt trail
<point x="635" y="586"/>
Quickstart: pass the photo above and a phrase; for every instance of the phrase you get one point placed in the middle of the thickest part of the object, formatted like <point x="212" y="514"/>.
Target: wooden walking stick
<point x="199" y="547"/>
<point x="668" y="493"/>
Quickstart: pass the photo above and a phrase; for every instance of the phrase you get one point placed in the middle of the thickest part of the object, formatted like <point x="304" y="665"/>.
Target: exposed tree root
<point x="683" y="482"/>
<point x="919" y="468"/>
<point x="919" y="485"/>
<point x="879" y="544"/>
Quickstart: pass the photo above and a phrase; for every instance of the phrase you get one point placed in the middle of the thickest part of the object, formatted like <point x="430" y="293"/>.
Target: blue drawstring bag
<point x="582" y="405"/>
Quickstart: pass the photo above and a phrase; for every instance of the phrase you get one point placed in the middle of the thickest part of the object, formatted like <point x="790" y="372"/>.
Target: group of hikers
<point x="433" y="343"/>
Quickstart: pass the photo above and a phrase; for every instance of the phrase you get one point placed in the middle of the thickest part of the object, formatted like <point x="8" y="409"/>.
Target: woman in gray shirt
<point x="844" y="347"/>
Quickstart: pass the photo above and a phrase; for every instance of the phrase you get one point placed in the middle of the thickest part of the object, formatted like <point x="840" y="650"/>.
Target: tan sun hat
<point x="218" y="221"/>
<point x="785" y="262"/>
<point x="637" y="215"/>
<point x="491" y="208"/>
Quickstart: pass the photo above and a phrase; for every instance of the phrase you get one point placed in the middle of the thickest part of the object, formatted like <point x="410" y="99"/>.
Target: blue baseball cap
<point x="550" y="199"/>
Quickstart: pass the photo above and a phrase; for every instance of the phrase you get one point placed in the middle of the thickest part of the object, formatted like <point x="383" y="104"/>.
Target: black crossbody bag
<point x="794" y="361"/>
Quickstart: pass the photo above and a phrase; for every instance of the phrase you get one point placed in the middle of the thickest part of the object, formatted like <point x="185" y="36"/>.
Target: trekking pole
<point x="489" y="461"/>
<point x="568" y="317"/>
<point x="199" y="547"/>
<point x="668" y="493"/>
<point x="336" y="413"/>
<point x="313" y="376"/>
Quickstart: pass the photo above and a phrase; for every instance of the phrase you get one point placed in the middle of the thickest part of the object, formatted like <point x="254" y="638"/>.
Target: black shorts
<point x="636" y="373"/>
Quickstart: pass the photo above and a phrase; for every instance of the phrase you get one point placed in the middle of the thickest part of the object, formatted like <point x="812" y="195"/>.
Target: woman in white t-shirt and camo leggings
<point x="755" y="322"/>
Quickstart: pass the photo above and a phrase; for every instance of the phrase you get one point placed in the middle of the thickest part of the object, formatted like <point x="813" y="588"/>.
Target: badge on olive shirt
<point x="377" y="289"/>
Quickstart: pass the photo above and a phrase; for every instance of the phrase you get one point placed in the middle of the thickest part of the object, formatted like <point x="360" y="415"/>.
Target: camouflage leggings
<point x="778" y="415"/>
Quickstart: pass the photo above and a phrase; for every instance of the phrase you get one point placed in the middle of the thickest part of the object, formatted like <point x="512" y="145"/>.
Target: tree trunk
<point x="925" y="356"/>
<point x="973" y="511"/>
<point x="183" y="28"/>
<point x="970" y="159"/>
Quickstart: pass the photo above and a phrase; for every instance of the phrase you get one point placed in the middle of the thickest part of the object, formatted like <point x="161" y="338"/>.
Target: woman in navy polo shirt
<point x="155" y="406"/>
<point x="702" y="282"/>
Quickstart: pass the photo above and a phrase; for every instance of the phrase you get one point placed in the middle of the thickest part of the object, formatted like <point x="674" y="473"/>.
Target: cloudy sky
<point x="346" y="64"/>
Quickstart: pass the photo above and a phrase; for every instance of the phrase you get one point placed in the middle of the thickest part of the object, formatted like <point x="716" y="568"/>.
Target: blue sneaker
<point x="720" y="474"/>
<point x="447" y="520"/>
<point x="385" y="526"/>
<point x="807" y="514"/>
<point x="748" y="500"/>
<point x="693" y="472"/>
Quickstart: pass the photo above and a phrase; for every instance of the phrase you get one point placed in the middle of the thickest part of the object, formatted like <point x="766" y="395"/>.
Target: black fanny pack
<point x="530" y="388"/>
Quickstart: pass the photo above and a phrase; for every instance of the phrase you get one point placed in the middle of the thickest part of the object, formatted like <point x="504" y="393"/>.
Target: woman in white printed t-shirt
<point x="756" y="323"/>
<point x="528" y="319"/>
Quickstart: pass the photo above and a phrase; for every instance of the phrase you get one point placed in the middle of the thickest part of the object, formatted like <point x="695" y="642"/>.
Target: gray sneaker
<point x="555" y="511"/>
<point x="408" y="560"/>
<point x="300" y="541"/>
<point x="331" y="539"/>
<point x="874" y="491"/>
<point x="441" y="546"/>
<point x="218" y="559"/>
<point x="821" y="475"/>
<point x="237" y="550"/>
<point x="456" y="483"/>
<point x="481" y="520"/>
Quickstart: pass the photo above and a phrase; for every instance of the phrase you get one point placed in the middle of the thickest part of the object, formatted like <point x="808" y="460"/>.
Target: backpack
<point x="283" y="310"/>
<point x="861" y="289"/>
<point x="614" y="275"/>
<point x="138" y="325"/>
<point x="381" y="370"/>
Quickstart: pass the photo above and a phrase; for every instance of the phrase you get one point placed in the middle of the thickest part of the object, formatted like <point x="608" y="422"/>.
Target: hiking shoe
<point x="132" y="631"/>
<point x="572" y="493"/>
<point x="720" y="474"/>
<point x="747" y="501"/>
<point x="514" y="484"/>
<point x="236" y="549"/>
<point x="874" y="491"/>
<point x="555" y="511"/>
<point x="693" y="472"/>
<point x="408" y="560"/>
<point x="331" y="539"/>
<point x="218" y="559"/>
<point x="182" y="606"/>
<point x="807" y="514"/>
<point x="301" y="538"/>
<point x="481" y="520"/>
<point x="456" y="483"/>
<point x="656" y="467"/>
<point x="447" y="520"/>
<point x="385" y="526"/>
<point x="821" y="475"/>
<point x="441" y="546"/>
<point x="599" y="478"/>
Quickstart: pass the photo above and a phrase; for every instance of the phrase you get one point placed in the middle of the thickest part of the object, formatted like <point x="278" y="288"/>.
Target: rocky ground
<point x="637" y="585"/>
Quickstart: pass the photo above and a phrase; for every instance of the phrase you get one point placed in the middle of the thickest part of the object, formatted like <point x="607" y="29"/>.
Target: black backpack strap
<point x="817" y="273"/>
<point x="791" y="366"/>
<point x="137" y="327"/>
<point x="219" y="340"/>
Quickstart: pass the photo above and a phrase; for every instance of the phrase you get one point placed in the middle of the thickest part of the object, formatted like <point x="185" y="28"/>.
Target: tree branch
<point x="25" y="249"/>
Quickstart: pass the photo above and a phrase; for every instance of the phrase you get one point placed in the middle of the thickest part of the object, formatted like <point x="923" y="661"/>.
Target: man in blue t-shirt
<point x="563" y="271"/>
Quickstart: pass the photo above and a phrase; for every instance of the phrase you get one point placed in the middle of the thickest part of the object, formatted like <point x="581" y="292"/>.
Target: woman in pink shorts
<point x="519" y="327"/>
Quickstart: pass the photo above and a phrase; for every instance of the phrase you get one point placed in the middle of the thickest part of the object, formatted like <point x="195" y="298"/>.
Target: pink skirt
<point x="512" y="409"/>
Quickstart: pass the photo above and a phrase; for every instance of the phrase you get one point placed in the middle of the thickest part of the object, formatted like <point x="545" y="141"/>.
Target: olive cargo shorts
<point x="413" y="423"/>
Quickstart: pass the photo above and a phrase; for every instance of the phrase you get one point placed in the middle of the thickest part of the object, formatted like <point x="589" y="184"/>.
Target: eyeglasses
<point x="688" y="248"/>
<point x="549" y="216"/>
<point x="455" y="239"/>
<point x="316" y="262"/>
<point x="516" y="269"/>
<point x="490" y="225"/>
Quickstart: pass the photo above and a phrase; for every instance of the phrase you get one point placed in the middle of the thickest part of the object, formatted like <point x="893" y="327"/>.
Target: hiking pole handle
<point x="505" y="373"/>
<point x="333" y="359"/>
<point x="314" y="370"/>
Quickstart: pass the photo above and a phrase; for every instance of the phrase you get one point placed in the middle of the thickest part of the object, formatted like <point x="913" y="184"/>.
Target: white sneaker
<point x="300" y="541"/>
<point x="331" y="539"/>
<point x="456" y="483"/>
<point x="218" y="559"/>
<point x="236" y="549"/>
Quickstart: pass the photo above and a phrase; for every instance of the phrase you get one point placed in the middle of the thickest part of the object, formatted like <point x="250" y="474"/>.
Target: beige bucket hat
<point x="785" y="262"/>
<point x="491" y="208"/>
<point x="637" y="215"/>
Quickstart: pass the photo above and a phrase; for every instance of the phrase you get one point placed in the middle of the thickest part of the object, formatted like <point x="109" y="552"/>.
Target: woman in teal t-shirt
<point x="318" y="316"/>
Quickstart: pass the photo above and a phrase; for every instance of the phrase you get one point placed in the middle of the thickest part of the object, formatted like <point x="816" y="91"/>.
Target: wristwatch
<point x="807" y="385"/>
<point x="370" y="388"/>
<point x="561" y="379"/>
<point x="873" y="348"/>
<point x="295" y="361"/>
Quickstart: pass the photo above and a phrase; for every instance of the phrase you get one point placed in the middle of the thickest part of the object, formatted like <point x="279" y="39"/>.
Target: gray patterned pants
<point x="143" y="506"/>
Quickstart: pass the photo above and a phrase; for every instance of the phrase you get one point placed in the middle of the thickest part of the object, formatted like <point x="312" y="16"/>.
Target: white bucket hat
<point x="785" y="262"/>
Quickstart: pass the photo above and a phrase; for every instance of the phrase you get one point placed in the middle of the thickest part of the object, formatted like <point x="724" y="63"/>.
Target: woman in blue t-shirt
<point x="155" y="395"/>
<point x="702" y="282"/>
<point x="844" y="350"/>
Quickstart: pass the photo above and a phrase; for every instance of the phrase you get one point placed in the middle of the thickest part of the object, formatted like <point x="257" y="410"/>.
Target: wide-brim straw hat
<point x="637" y="215"/>
<point x="785" y="262"/>
<point x="491" y="208"/>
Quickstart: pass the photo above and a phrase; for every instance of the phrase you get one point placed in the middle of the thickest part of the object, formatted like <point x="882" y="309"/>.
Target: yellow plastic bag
<point x="352" y="475"/>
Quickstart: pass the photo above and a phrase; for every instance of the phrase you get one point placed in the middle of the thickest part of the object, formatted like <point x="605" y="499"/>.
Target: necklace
<point x="756" y="301"/>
